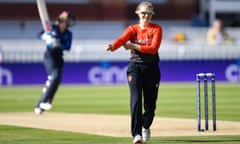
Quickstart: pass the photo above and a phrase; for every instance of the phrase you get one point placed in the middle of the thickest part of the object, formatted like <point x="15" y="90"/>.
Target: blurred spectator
<point x="22" y="24"/>
<point x="179" y="37"/>
<point x="217" y="35"/>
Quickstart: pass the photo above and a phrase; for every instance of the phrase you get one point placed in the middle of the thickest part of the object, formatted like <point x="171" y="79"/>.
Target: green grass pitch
<point x="176" y="100"/>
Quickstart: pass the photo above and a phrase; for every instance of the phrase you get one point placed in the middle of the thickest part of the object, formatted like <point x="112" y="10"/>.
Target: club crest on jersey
<point x="150" y="33"/>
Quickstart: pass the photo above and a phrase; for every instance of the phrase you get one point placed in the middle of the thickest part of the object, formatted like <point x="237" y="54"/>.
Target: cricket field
<point x="90" y="114"/>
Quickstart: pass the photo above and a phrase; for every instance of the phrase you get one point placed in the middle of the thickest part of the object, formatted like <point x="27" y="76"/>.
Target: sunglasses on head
<point x="147" y="13"/>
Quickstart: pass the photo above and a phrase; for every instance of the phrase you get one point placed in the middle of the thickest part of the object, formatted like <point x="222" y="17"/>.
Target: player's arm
<point x="155" y="44"/>
<point x="66" y="44"/>
<point x="121" y="40"/>
<point x="148" y="49"/>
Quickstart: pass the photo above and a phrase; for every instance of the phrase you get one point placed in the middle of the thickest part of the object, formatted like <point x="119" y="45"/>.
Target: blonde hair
<point x="145" y="4"/>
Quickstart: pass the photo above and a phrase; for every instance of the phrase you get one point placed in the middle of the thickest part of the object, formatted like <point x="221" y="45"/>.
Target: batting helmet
<point x="67" y="17"/>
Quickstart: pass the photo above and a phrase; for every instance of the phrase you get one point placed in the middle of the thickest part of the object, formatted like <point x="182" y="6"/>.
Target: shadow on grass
<point x="200" y="141"/>
<point x="212" y="140"/>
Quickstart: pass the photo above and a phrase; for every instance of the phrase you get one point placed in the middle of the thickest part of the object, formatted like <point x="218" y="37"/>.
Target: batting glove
<point x="50" y="40"/>
<point x="53" y="43"/>
<point x="46" y="36"/>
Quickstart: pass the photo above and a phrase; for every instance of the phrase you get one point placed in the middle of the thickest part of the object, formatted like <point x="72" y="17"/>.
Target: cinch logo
<point x="107" y="75"/>
<point x="5" y="77"/>
<point x="232" y="73"/>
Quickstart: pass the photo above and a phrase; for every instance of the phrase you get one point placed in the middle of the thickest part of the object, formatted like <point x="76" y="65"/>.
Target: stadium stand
<point x="19" y="42"/>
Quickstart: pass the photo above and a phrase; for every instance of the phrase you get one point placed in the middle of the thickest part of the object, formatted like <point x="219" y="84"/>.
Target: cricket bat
<point x="43" y="13"/>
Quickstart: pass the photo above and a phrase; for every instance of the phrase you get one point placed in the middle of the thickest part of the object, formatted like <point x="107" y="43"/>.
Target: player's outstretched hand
<point x="109" y="47"/>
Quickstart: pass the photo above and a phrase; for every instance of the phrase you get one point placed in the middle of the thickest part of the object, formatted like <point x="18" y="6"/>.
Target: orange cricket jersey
<point x="148" y="38"/>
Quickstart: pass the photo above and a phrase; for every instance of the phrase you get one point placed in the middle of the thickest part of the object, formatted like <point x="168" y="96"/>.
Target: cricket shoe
<point x="38" y="111"/>
<point x="137" y="139"/>
<point x="146" y="134"/>
<point x="46" y="106"/>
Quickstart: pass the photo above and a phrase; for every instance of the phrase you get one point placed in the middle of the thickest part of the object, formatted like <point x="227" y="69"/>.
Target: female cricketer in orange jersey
<point x="143" y="40"/>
